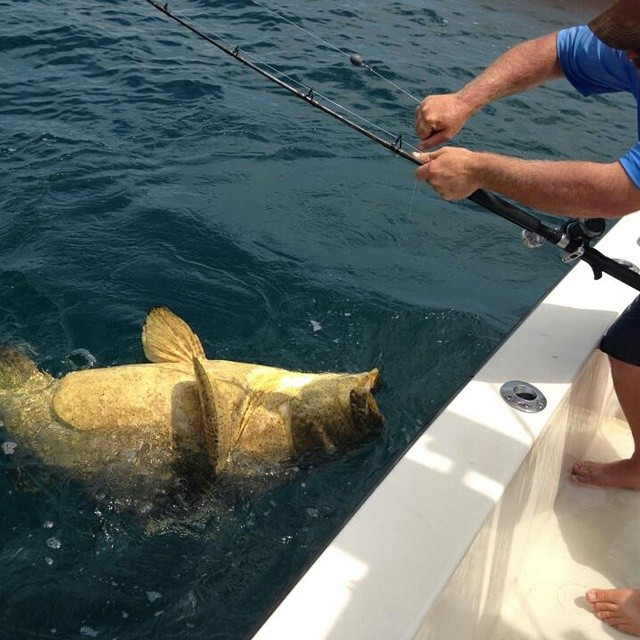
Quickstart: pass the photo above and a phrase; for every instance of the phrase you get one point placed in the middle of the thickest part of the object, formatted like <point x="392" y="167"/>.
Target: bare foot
<point x="619" y="608"/>
<point x="623" y="474"/>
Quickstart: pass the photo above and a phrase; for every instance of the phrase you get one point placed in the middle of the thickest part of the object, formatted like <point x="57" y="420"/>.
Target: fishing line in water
<point x="413" y="197"/>
<point x="355" y="58"/>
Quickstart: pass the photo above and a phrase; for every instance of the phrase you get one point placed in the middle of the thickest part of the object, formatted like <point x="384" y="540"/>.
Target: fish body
<point x="146" y="423"/>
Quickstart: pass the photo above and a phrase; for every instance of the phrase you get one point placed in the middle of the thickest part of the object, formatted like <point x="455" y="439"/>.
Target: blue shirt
<point x="592" y="67"/>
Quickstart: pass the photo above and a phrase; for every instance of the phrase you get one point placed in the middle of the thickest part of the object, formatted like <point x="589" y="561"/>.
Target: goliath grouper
<point x="143" y="425"/>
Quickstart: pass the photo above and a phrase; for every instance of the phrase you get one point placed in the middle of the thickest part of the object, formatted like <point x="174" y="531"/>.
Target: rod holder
<point x="523" y="396"/>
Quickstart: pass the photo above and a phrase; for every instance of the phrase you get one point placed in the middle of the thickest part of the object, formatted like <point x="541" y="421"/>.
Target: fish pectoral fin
<point x="167" y="338"/>
<point x="217" y="436"/>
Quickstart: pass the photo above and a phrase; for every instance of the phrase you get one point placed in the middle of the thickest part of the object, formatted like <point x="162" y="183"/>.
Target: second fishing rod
<point x="574" y="237"/>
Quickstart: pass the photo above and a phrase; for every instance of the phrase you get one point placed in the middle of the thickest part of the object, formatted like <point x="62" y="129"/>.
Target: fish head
<point x="260" y="413"/>
<point x="335" y="412"/>
<point x="366" y="417"/>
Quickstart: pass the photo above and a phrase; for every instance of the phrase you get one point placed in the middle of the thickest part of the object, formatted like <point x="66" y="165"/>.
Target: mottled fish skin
<point x="153" y="420"/>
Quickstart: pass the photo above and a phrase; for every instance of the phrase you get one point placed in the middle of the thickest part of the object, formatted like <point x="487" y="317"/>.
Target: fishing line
<point x="355" y="58"/>
<point x="280" y="74"/>
<point x="309" y="94"/>
<point x="413" y="197"/>
<point x="574" y="237"/>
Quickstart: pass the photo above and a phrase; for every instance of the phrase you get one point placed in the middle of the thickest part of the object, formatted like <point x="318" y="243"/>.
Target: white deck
<point x="589" y="540"/>
<point x="446" y="546"/>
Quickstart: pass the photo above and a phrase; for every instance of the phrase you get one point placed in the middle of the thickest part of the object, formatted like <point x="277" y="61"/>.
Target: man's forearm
<point x="524" y="66"/>
<point x="572" y="188"/>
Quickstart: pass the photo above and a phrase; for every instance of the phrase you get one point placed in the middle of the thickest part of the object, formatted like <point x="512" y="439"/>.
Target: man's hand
<point x="439" y="118"/>
<point x="528" y="64"/>
<point x="452" y="171"/>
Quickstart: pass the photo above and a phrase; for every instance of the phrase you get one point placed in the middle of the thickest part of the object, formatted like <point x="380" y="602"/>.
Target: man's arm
<point x="440" y="117"/>
<point x="565" y="188"/>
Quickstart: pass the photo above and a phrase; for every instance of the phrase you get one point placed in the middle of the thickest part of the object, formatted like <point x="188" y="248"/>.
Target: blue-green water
<point x="139" y="166"/>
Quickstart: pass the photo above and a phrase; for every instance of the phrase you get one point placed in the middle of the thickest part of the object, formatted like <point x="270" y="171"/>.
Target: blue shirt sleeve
<point x="631" y="164"/>
<point x="592" y="67"/>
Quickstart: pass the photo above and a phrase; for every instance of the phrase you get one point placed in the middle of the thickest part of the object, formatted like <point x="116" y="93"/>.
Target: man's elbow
<point x="627" y="195"/>
<point x="617" y="209"/>
<point x="630" y="204"/>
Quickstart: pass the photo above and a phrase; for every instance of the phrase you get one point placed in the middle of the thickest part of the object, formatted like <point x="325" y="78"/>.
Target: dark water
<point x="138" y="166"/>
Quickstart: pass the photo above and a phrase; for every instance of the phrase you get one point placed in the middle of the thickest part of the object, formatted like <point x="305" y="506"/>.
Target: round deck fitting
<point x="523" y="396"/>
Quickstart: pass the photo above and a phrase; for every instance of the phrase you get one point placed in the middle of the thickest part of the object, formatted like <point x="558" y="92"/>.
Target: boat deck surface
<point x="591" y="539"/>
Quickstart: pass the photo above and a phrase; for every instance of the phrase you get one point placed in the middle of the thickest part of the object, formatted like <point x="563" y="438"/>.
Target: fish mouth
<point x="365" y="414"/>
<point x="374" y="382"/>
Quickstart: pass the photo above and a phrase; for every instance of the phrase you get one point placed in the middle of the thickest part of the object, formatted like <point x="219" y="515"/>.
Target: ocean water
<point x="139" y="166"/>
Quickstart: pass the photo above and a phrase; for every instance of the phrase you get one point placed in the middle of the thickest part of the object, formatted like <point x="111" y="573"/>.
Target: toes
<point x="583" y="478"/>
<point x="584" y="468"/>
<point x="603" y="599"/>
<point x="594" y="595"/>
<point x="608" y="615"/>
<point x="605" y="606"/>
<point x="581" y="471"/>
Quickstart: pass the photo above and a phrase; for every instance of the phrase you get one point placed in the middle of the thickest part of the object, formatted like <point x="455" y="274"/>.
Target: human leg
<point x="622" y="474"/>
<point x="622" y="344"/>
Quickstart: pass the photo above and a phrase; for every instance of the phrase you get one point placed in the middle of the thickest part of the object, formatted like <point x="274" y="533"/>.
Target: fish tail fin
<point x="167" y="338"/>
<point x="17" y="369"/>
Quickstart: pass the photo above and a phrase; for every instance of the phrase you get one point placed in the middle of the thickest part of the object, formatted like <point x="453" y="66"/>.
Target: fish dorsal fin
<point x="217" y="436"/>
<point x="167" y="338"/>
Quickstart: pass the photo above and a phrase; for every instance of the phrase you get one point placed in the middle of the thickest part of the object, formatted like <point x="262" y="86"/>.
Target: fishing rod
<point x="574" y="237"/>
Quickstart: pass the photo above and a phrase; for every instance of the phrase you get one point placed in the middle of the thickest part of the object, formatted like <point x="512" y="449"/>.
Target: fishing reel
<point x="575" y="235"/>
